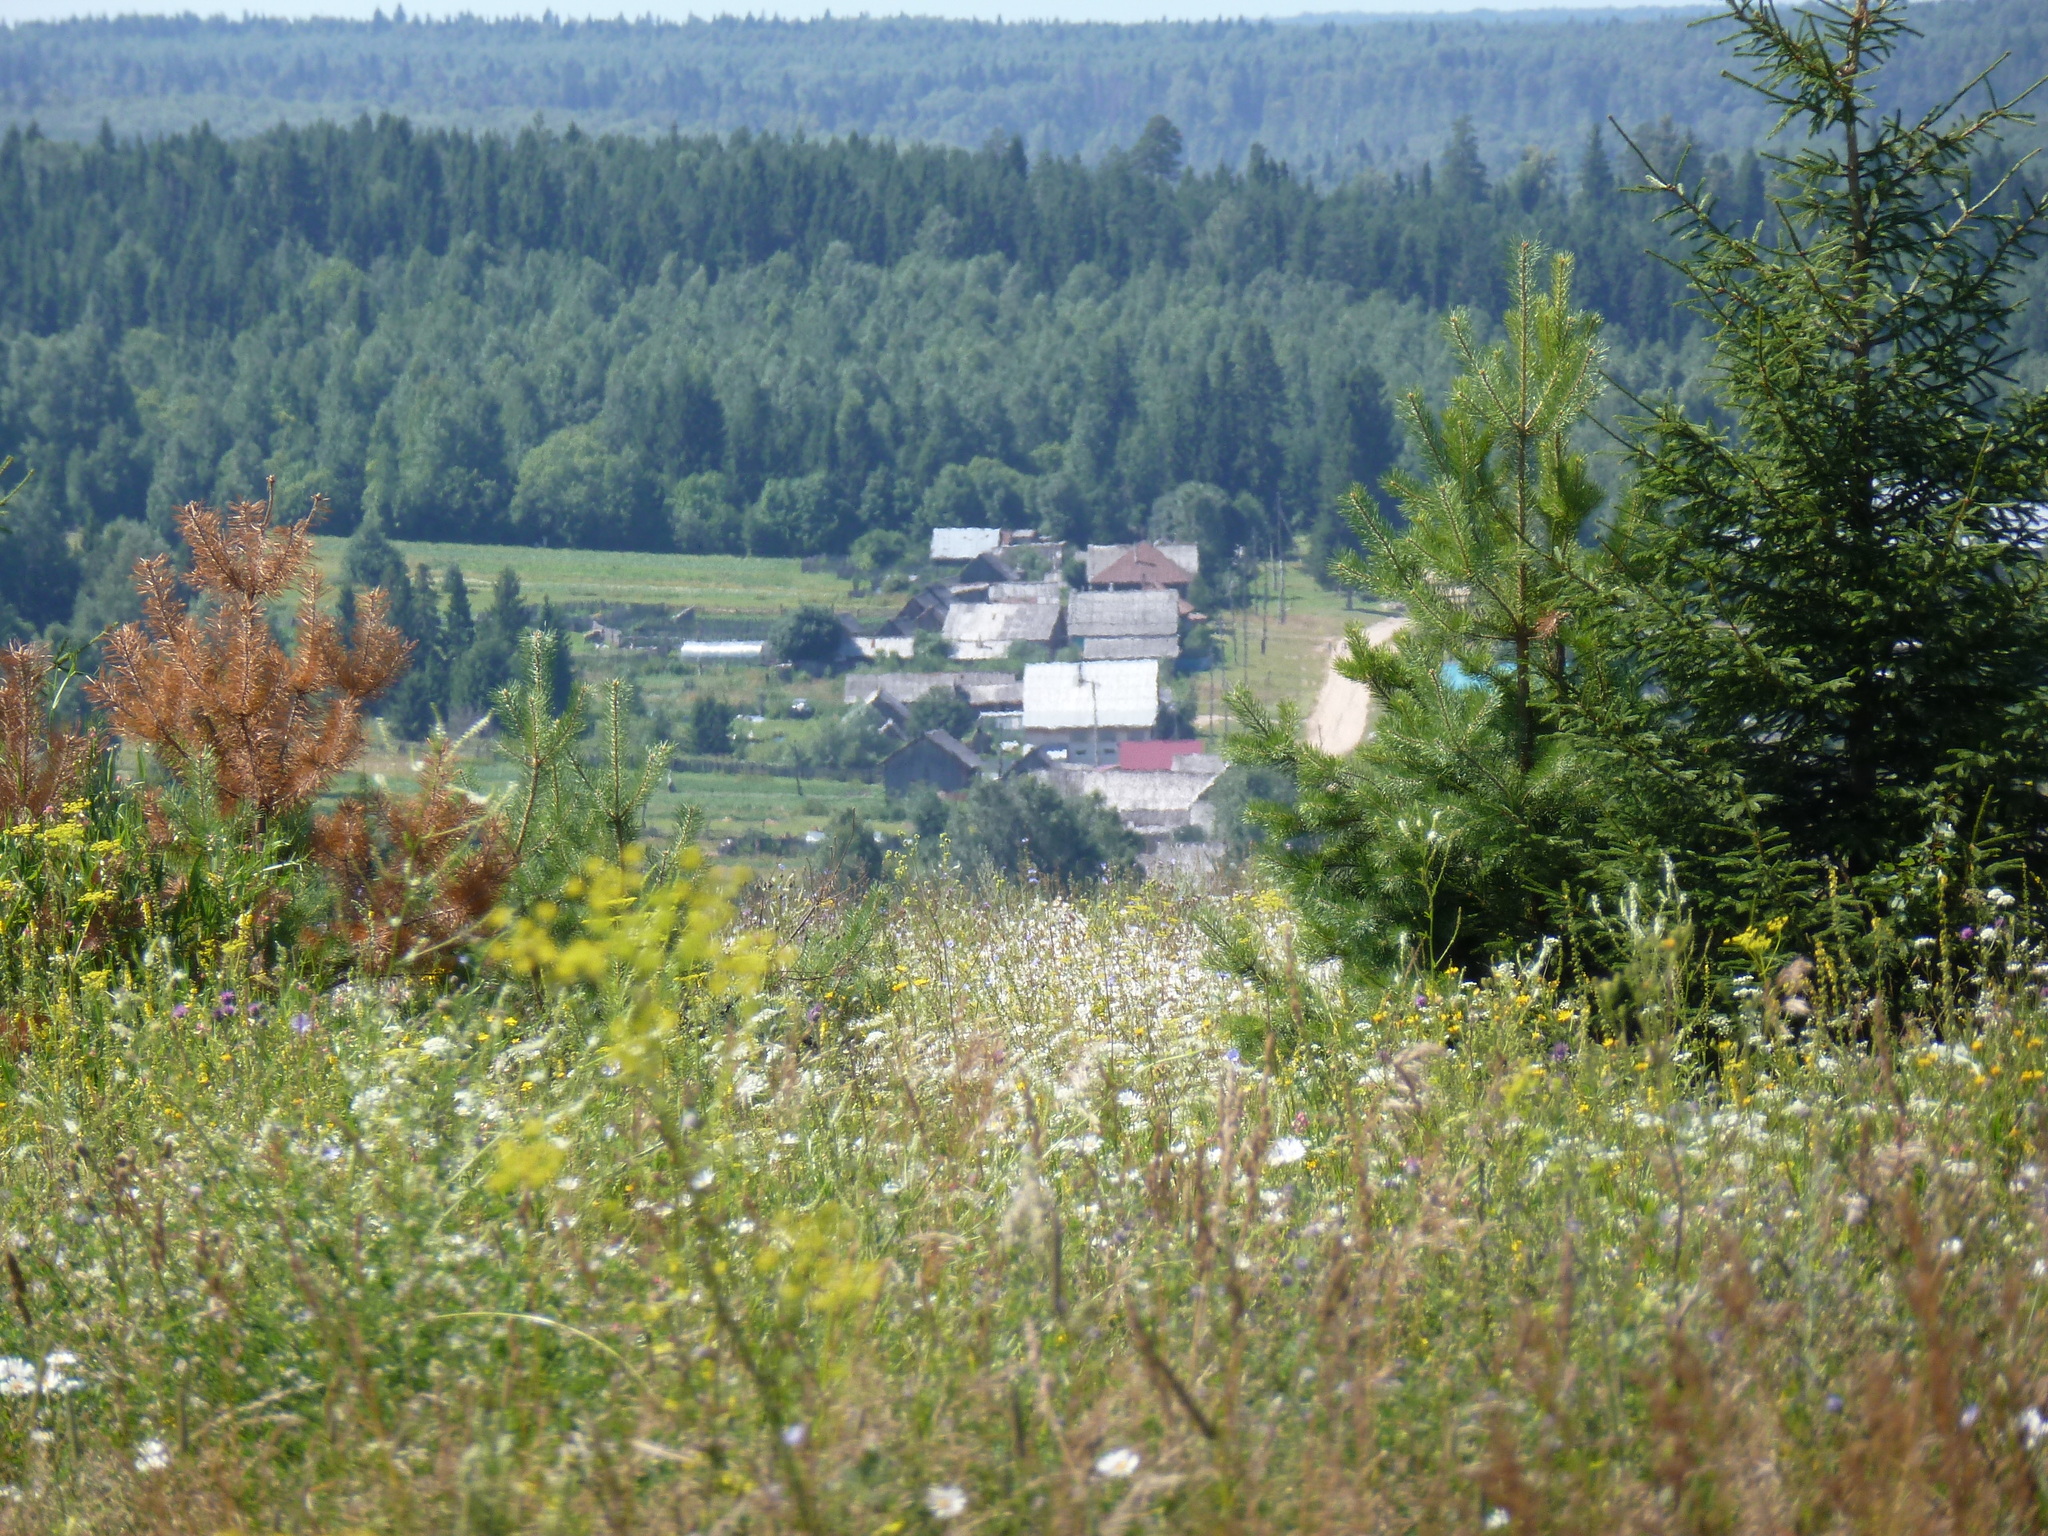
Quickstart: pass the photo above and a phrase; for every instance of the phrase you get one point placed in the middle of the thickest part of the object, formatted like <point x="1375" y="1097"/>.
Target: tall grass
<point x="969" y="1206"/>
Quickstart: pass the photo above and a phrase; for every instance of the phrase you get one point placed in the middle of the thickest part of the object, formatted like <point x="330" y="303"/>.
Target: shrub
<point x="710" y="725"/>
<point x="217" y="694"/>
<point x="810" y="636"/>
<point x="943" y="709"/>
<point x="1024" y="828"/>
<point x="42" y="764"/>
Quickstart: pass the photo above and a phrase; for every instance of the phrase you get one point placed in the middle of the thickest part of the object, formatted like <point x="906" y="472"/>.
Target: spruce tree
<point x="371" y="559"/>
<point x="1451" y="834"/>
<point x="458" y="627"/>
<point x="1835" y="605"/>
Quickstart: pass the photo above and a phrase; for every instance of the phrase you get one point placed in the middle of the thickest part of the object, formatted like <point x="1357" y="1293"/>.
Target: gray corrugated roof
<point x="1107" y="614"/>
<point x="1126" y="791"/>
<point x="1001" y="623"/>
<point x="1024" y="592"/>
<point x="1130" y="648"/>
<point x="909" y="687"/>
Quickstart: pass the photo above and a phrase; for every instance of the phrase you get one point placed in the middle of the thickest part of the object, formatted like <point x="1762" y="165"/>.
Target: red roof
<point x="1153" y="756"/>
<point x="1144" y="566"/>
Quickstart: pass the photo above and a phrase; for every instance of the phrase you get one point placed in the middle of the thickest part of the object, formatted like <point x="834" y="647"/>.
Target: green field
<point x="583" y="579"/>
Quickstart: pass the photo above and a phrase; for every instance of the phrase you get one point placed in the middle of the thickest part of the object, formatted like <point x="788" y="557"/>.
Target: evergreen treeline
<point x="750" y="345"/>
<point x="460" y="658"/>
<point x="1333" y="97"/>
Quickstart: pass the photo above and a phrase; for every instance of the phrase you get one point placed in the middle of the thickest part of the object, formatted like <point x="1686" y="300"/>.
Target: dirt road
<point x="1343" y="712"/>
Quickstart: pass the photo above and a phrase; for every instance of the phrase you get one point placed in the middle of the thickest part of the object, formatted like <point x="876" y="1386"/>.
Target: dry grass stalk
<point x="218" y="688"/>
<point x="41" y="764"/>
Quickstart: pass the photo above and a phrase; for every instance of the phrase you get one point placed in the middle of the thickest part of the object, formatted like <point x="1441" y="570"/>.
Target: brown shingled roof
<point x="1143" y="566"/>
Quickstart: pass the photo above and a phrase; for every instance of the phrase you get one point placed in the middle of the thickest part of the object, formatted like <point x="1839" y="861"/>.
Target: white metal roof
<point x="964" y="543"/>
<point x="722" y="650"/>
<point x="1075" y="695"/>
<point x="1155" y="614"/>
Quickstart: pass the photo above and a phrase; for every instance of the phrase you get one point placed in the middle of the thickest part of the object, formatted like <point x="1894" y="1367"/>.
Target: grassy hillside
<point x="1013" y="1215"/>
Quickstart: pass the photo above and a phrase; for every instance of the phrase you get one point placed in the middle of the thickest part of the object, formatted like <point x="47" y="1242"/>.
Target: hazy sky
<point x="986" y="10"/>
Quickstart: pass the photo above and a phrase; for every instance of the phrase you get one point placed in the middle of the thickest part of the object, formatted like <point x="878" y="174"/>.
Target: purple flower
<point x="255" y="1010"/>
<point x="1231" y="1054"/>
<point x="1833" y="1402"/>
<point x="1411" y="1166"/>
<point x="180" y="1011"/>
<point x="227" y="999"/>
<point x="1967" y="933"/>
<point x="302" y="1023"/>
<point x="1559" y="1051"/>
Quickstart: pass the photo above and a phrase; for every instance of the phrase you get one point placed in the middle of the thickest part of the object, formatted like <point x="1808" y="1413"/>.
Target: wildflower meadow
<point x="709" y="1203"/>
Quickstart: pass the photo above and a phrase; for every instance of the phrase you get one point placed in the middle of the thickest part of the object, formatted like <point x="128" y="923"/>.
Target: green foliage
<point x="539" y="736"/>
<point x="663" y="359"/>
<point x="1352" y="93"/>
<point x="1024" y="828"/>
<point x="809" y="635"/>
<point x="943" y="709"/>
<point x="702" y="518"/>
<point x="575" y="488"/>
<point x="710" y="725"/>
<point x="1835" y="606"/>
<point x="1454" y="833"/>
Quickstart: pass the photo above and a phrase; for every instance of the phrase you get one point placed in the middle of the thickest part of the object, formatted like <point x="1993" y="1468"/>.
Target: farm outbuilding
<point x="936" y="759"/>
<point x="987" y="631"/>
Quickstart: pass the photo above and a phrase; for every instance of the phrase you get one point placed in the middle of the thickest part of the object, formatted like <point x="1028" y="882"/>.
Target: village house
<point x="1126" y="626"/>
<point x="1154" y="802"/>
<point x="987" y="631"/>
<point x="1088" y="709"/>
<point x="1141" y="566"/>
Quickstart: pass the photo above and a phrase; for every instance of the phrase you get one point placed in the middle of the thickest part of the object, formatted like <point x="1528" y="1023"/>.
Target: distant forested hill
<point x="748" y="343"/>
<point x="1329" y="97"/>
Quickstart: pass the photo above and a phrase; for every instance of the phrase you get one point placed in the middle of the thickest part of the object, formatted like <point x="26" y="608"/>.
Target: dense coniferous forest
<point x="750" y="345"/>
<point x="1330" y="96"/>
<point x="760" y="344"/>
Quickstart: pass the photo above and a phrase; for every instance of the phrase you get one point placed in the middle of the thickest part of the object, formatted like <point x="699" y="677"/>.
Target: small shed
<point x="936" y="759"/>
<point x="924" y="609"/>
<point x="956" y="544"/>
<point x="991" y="568"/>
<point x="723" y="650"/>
<point x="1150" y="802"/>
